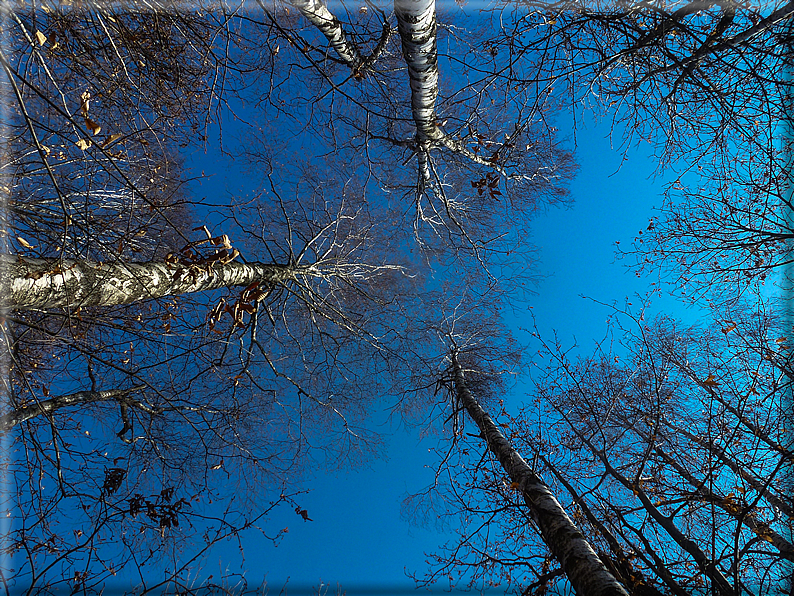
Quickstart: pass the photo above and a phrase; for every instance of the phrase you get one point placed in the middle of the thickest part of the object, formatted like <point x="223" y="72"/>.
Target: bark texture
<point x="585" y="570"/>
<point x="416" y="23"/>
<point x="322" y="18"/>
<point x="54" y="283"/>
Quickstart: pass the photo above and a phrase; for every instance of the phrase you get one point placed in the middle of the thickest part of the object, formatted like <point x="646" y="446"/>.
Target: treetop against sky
<point x="244" y="243"/>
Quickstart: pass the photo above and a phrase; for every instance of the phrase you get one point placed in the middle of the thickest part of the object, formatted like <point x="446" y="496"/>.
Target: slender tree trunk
<point x="623" y="569"/>
<point x="322" y="18"/>
<point x="761" y="486"/>
<point x="586" y="572"/>
<point x="53" y="283"/>
<point x="720" y="583"/>
<point x="748" y="519"/>
<point x="49" y="406"/>
<point x="416" y="23"/>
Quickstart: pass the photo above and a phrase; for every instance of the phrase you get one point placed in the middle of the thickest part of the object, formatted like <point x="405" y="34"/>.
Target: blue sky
<point x="357" y="538"/>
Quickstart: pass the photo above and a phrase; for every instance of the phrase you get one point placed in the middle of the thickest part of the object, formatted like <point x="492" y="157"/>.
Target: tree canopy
<point x="177" y="363"/>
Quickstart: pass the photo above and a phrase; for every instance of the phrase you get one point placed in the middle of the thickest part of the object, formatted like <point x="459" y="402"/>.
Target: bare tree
<point x="473" y="359"/>
<point x="392" y="112"/>
<point x="186" y="387"/>
<point x="675" y="453"/>
<point x="707" y="85"/>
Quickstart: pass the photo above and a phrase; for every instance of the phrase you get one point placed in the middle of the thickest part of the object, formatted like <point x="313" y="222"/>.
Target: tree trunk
<point x="744" y="517"/>
<point x="54" y="283"/>
<point x="720" y="583"/>
<point x="585" y="571"/>
<point x="322" y="18"/>
<point x="49" y="406"/>
<point x="416" y="22"/>
<point x="623" y="569"/>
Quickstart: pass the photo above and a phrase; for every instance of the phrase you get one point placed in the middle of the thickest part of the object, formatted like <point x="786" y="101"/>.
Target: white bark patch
<point x="48" y="407"/>
<point x="57" y="283"/>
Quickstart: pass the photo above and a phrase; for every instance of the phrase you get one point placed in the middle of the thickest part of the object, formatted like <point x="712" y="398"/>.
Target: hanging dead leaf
<point x="85" y="102"/>
<point x="221" y="240"/>
<point x="42" y="39"/>
<point x="711" y="381"/>
<point x="24" y="242"/>
<point x="92" y="126"/>
<point x="83" y="144"/>
<point x="727" y="330"/>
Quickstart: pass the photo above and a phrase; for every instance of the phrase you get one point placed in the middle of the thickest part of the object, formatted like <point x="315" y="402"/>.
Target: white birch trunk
<point x="585" y="570"/>
<point x="322" y="18"/>
<point x="416" y="23"/>
<point x="54" y="283"/>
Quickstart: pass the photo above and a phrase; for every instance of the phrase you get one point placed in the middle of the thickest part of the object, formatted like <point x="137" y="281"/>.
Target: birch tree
<point x="177" y="384"/>
<point x="428" y="147"/>
<point x="502" y="509"/>
<point x="579" y="561"/>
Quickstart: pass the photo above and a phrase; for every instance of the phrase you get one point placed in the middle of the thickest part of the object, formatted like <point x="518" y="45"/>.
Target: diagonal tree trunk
<point x="746" y="518"/>
<point x="581" y="564"/>
<point x="54" y="283"/>
<point x="720" y="583"/>
<point x="318" y="15"/>
<point x="623" y="568"/>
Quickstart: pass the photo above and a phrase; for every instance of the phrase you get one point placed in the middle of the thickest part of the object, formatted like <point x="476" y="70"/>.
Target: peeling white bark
<point x="53" y="283"/>
<point x="416" y="23"/>
<point x="322" y="18"/>
<point x="585" y="570"/>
